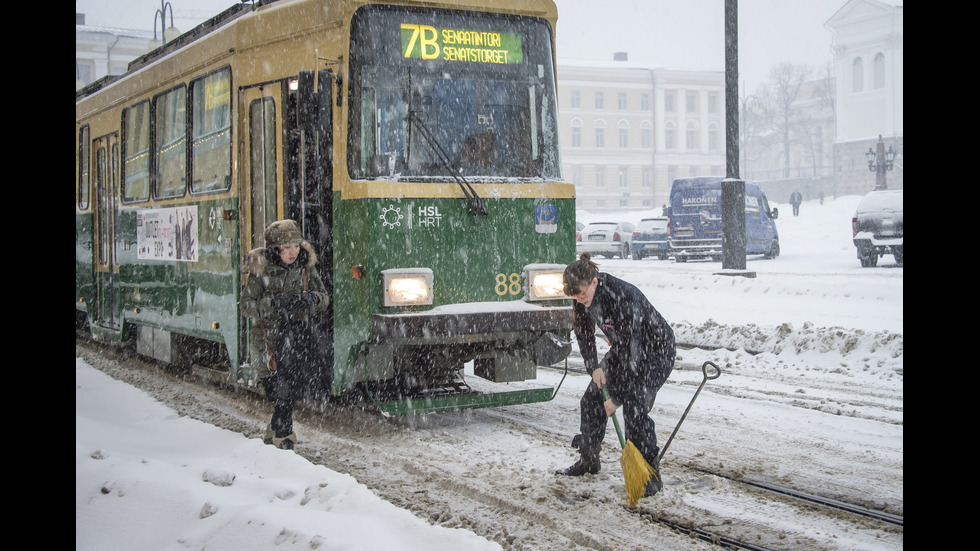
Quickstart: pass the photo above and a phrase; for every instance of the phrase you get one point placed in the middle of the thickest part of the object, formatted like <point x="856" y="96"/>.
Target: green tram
<point x="416" y="142"/>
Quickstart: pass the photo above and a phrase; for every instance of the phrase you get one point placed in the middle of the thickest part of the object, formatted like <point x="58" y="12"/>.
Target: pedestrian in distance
<point x="283" y="292"/>
<point x="795" y="199"/>
<point x="639" y="360"/>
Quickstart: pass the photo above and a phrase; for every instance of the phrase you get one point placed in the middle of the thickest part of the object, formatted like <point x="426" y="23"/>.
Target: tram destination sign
<point x="447" y="44"/>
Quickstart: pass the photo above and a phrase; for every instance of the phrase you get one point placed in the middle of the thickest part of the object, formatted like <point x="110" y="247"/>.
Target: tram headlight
<point x="545" y="281"/>
<point x="407" y="287"/>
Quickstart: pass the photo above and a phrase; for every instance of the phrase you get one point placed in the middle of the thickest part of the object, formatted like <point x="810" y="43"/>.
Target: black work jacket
<point x="642" y="351"/>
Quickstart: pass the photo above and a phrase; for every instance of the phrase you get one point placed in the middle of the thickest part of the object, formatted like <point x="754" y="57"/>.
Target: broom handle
<point x="619" y="433"/>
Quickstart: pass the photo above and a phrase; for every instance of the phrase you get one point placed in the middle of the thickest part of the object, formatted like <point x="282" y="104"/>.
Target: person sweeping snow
<point x="640" y="358"/>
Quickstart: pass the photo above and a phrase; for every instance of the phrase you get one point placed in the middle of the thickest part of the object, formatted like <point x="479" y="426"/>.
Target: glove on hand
<point x="294" y="303"/>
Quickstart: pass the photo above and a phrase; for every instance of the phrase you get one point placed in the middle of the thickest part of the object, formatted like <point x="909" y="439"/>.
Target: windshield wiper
<point x="477" y="206"/>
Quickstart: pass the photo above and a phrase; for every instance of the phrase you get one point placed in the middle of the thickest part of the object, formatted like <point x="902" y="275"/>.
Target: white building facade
<point x="104" y="51"/>
<point x="868" y="48"/>
<point x="628" y="131"/>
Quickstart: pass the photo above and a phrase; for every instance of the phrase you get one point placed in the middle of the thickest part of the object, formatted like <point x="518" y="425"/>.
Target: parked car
<point x="578" y="230"/>
<point x="695" y="220"/>
<point x="878" y="228"/>
<point x="606" y="238"/>
<point x="650" y="238"/>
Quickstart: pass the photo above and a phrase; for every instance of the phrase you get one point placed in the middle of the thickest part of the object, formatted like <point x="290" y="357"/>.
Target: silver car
<point x="606" y="238"/>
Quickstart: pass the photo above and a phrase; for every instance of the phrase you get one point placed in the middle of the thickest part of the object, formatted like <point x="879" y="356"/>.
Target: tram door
<point x="261" y="189"/>
<point x="262" y="185"/>
<point x="105" y="157"/>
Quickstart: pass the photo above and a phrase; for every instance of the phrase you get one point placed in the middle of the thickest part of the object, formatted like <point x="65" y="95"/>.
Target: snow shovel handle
<point x="714" y="375"/>
<point x="619" y="433"/>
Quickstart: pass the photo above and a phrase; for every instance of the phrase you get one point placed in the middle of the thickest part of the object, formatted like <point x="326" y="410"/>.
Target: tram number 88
<point x="508" y="284"/>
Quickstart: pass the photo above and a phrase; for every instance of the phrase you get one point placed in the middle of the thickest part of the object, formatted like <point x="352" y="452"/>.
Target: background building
<point x="628" y="131"/>
<point x="868" y="48"/>
<point x="103" y="51"/>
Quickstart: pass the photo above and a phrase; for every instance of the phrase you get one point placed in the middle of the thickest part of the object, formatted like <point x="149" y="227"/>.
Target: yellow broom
<point x="636" y="471"/>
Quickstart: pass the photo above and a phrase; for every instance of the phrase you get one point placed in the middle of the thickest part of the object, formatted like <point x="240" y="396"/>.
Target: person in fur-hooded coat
<point x="283" y="291"/>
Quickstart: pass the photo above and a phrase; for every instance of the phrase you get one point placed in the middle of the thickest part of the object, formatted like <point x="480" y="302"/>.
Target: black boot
<point x="588" y="463"/>
<point x="656" y="482"/>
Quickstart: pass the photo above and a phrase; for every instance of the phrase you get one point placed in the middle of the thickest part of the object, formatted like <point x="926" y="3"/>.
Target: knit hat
<point x="282" y="232"/>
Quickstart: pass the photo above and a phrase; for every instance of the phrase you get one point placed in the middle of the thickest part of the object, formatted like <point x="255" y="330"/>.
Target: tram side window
<point x="83" y="168"/>
<point x="170" y="154"/>
<point x="136" y="153"/>
<point x="211" y="132"/>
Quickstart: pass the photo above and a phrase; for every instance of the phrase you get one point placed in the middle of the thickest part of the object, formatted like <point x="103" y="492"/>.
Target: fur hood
<point x="256" y="262"/>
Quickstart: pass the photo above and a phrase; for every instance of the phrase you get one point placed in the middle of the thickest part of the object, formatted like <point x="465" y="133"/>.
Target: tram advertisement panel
<point x="167" y="234"/>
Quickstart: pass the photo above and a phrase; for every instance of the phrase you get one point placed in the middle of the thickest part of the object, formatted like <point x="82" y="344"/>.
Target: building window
<point x="600" y="133"/>
<point x="646" y="135"/>
<point x="83" y="72"/>
<point x="857" y="75"/>
<point x="624" y="176"/>
<point x="646" y="176"/>
<point x="692" y="103"/>
<point x="576" y="99"/>
<point x="712" y="103"/>
<point x="621" y="101"/>
<point x="645" y="102"/>
<point x="669" y="137"/>
<point x="692" y="137"/>
<point x="600" y="176"/>
<point x="671" y="174"/>
<point x="576" y="133"/>
<point x="669" y="102"/>
<point x="623" y="128"/>
<point x="879" y="70"/>
<point x="598" y="100"/>
<point x="577" y="176"/>
<point x="713" y="137"/>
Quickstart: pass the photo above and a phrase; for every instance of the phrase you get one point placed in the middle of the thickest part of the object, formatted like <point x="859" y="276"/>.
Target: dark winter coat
<point x="642" y="351"/>
<point x="287" y="335"/>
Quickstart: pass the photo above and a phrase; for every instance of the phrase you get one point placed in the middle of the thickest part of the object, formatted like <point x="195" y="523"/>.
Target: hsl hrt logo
<point x="429" y="216"/>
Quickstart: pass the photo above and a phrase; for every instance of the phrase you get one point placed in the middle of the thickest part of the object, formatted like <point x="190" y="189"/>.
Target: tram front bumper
<point x="506" y="341"/>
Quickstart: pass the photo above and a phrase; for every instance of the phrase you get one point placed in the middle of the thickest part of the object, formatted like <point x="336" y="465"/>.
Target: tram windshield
<point x="433" y="95"/>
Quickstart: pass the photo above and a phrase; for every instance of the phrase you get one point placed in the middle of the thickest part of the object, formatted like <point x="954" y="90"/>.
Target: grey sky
<point x="678" y="34"/>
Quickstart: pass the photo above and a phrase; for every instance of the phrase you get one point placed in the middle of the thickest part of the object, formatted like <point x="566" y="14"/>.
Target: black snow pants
<point x="301" y="373"/>
<point x="639" y="427"/>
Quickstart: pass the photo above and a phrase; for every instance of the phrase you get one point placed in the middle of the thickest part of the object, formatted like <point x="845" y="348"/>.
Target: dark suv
<point x="878" y="227"/>
<point x="650" y="238"/>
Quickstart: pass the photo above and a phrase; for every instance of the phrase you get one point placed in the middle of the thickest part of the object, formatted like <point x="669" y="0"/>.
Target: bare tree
<point x="786" y="122"/>
<point x="785" y="82"/>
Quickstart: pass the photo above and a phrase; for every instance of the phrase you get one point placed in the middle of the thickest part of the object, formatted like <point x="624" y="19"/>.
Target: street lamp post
<point x="161" y="14"/>
<point x="880" y="162"/>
